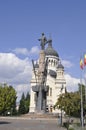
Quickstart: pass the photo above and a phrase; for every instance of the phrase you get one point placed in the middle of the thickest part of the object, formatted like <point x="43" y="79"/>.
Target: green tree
<point x="83" y="97"/>
<point x="7" y="98"/>
<point x="69" y="103"/>
<point x="27" y="102"/>
<point x="24" y="104"/>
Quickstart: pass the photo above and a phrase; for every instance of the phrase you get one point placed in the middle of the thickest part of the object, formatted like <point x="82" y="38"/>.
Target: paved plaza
<point x="10" y="123"/>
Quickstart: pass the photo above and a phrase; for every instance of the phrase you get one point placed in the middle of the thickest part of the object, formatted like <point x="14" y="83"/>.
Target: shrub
<point x="71" y="129"/>
<point x="66" y="125"/>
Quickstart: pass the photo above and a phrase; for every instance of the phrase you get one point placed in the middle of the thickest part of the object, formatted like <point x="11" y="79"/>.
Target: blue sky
<point x="23" y="21"/>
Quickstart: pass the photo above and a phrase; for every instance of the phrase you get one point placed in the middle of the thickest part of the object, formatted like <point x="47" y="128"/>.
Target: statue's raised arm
<point x="43" y="40"/>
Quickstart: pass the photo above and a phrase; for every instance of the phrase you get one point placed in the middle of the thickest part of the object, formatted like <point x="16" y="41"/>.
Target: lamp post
<point x="11" y="111"/>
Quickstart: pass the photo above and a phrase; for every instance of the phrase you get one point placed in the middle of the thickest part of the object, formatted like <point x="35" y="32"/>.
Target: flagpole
<point x="81" y="66"/>
<point x="85" y="76"/>
<point x="85" y="82"/>
<point x="81" y="101"/>
<point x="85" y="73"/>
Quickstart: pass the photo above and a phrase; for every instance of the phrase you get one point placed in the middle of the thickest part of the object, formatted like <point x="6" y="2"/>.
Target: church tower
<point x="55" y="79"/>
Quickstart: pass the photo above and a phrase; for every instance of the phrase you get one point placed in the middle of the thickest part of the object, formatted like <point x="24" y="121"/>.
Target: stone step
<point x="38" y="115"/>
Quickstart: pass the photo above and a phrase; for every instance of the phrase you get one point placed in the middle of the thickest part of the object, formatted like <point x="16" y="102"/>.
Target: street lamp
<point x="11" y="111"/>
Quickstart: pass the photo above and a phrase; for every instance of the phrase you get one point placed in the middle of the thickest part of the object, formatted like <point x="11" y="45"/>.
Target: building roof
<point x="50" y="51"/>
<point x="60" y="66"/>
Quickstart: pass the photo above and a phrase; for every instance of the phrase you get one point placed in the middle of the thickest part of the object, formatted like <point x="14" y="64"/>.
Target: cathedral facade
<point x="55" y="80"/>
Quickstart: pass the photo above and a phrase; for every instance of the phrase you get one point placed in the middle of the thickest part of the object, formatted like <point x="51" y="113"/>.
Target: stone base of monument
<point x="40" y="112"/>
<point x="40" y="115"/>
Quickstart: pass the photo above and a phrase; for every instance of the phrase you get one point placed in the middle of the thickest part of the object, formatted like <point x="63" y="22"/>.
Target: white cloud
<point x="34" y="50"/>
<point x="15" y="71"/>
<point x="25" y="51"/>
<point x="67" y="64"/>
<point x="71" y="83"/>
<point x="20" y="88"/>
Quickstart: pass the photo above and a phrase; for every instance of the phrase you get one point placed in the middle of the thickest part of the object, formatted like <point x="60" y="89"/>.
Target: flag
<point x="81" y="64"/>
<point x="84" y="59"/>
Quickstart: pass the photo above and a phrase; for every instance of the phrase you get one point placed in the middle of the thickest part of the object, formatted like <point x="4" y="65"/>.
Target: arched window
<point x="49" y="60"/>
<point x="54" y="62"/>
<point x="48" y="92"/>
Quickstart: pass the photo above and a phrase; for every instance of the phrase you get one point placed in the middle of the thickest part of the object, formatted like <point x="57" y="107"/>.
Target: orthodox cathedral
<point x="55" y="80"/>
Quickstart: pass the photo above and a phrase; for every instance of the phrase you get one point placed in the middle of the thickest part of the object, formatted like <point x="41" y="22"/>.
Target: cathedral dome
<point x="60" y="66"/>
<point x="50" y="51"/>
